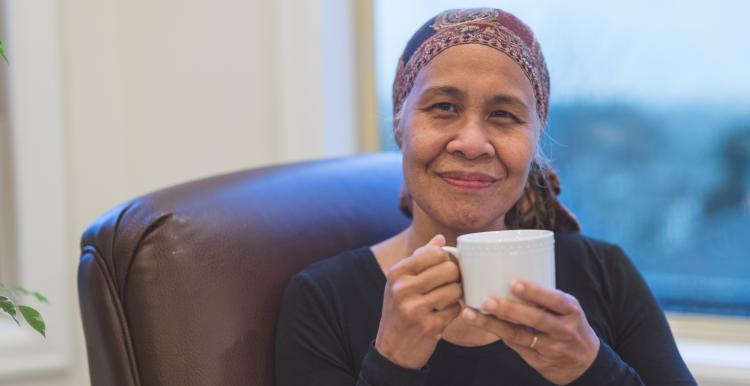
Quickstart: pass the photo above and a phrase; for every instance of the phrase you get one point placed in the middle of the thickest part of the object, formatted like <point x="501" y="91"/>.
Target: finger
<point x="502" y="329"/>
<point x="511" y="334"/>
<point x="424" y="257"/>
<point x="403" y="286"/>
<point x="520" y="341"/>
<point x="551" y="299"/>
<point x="449" y="313"/>
<point x="436" y="276"/>
<point x="530" y="356"/>
<point x="516" y="337"/>
<point x="527" y="315"/>
<point x="443" y="297"/>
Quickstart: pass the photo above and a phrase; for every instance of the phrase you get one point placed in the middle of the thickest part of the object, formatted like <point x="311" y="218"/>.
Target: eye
<point x="501" y="114"/>
<point x="444" y="106"/>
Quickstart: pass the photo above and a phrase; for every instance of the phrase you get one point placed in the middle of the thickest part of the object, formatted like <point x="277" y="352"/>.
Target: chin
<point x="471" y="221"/>
<point x="460" y="213"/>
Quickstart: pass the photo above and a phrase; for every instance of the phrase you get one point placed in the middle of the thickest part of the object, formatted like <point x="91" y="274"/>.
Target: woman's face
<point x="468" y="132"/>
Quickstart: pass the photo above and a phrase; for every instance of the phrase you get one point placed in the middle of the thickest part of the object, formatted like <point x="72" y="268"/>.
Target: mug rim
<point x="531" y="235"/>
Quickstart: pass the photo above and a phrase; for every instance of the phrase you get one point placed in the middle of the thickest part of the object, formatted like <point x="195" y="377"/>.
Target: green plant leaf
<point x="2" y="51"/>
<point x="10" y="308"/>
<point x="34" y="319"/>
<point x="35" y="294"/>
<point x="12" y="294"/>
<point x="22" y="290"/>
<point x="40" y="297"/>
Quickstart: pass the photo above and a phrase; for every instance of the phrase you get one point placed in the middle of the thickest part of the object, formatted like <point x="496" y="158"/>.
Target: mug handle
<point x="453" y="251"/>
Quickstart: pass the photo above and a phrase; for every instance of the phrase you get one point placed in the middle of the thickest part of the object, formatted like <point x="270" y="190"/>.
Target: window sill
<point x="716" y="349"/>
<point x="25" y="353"/>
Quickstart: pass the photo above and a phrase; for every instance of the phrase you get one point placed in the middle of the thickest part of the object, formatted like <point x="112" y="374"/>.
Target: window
<point x="7" y="266"/>
<point x="649" y="131"/>
<point x="38" y="205"/>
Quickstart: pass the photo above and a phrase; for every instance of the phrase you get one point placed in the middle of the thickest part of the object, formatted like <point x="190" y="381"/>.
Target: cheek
<point x="421" y="145"/>
<point x="523" y="157"/>
<point x="420" y="148"/>
<point x="518" y="151"/>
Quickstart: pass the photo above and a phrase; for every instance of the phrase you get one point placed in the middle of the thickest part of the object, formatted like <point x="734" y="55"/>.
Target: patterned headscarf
<point x="539" y="207"/>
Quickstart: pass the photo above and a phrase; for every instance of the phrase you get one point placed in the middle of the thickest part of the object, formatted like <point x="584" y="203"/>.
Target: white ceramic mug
<point x="490" y="261"/>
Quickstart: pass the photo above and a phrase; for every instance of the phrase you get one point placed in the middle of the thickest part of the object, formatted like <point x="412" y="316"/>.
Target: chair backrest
<point x="182" y="286"/>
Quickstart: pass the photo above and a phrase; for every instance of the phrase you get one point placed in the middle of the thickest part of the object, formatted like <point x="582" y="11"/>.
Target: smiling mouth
<point x="468" y="180"/>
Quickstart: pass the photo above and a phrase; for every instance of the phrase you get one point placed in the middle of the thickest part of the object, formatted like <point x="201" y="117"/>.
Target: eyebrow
<point x="456" y="92"/>
<point x="508" y="100"/>
<point x="442" y="90"/>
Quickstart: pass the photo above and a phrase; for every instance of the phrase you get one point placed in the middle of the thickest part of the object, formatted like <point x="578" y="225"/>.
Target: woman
<point x="470" y="101"/>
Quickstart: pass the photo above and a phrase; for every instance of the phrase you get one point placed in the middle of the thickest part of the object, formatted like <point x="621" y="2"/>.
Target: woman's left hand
<point x="552" y="334"/>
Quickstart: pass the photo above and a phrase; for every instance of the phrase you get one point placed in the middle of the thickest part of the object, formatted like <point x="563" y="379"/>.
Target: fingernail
<point x="518" y="287"/>
<point x="489" y="304"/>
<point x="469" y="314"/>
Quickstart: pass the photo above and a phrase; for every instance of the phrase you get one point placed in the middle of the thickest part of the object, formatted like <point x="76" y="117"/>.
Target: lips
<point x="471" y="180"/>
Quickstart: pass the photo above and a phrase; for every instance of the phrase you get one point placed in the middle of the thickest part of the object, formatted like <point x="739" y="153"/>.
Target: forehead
<point x="476" y="70"/>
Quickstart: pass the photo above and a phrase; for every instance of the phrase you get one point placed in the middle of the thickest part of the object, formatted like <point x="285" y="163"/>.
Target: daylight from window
<point x="649" y="131"/>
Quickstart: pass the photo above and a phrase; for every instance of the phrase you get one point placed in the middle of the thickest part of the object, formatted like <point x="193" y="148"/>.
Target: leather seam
<point x="115" y="232"/>
<point x="121" y="317"/>
<point x="150" y="228"/>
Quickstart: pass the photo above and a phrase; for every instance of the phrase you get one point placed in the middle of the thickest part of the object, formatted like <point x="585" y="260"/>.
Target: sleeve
<point x="644" y="350"/>
<point x="310" y="349"/>
<point x="608" y="369"/>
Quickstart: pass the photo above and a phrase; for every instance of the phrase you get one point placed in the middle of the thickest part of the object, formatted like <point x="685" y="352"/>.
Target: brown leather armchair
<point x="182" y="286"/>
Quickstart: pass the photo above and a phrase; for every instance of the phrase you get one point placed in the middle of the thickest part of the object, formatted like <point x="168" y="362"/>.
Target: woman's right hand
<point x="420" y="300"/>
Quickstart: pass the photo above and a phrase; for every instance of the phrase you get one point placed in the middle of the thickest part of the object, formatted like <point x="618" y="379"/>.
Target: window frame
<point x="7" y="239"/>
<point x="39" y="188"/>
<point x="715" y="348"/>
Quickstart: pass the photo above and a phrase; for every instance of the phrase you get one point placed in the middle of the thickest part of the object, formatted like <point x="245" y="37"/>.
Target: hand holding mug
<point x="420" y="300"/>
<point x="549" y="331"/>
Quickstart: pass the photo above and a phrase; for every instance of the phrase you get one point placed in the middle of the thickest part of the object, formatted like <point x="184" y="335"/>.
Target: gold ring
<point x="533" y="342"/>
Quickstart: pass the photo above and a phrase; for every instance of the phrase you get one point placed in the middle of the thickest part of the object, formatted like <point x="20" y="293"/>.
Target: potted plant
<point x="9" y="304"/>
<point x="9" y="298"/>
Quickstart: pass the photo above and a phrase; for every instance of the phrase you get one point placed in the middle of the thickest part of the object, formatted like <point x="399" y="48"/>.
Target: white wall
<point x="156" y="92"/>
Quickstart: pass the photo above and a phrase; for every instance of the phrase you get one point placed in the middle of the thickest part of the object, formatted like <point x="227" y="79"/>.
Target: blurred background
<point x="104" y="100"/>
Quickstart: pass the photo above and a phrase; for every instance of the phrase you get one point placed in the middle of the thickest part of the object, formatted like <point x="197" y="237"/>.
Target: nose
<point x="471" y="142"/>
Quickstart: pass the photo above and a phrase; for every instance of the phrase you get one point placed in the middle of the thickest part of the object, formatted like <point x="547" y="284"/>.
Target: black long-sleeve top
<point x="331" y="311"/>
